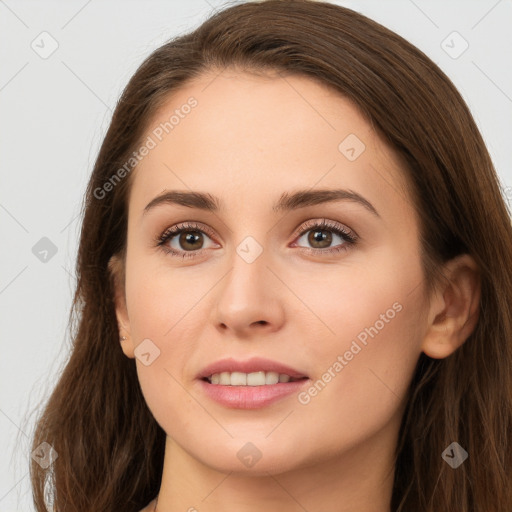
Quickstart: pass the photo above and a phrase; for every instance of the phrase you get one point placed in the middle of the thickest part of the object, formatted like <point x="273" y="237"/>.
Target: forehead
<point x="241" y="136"/>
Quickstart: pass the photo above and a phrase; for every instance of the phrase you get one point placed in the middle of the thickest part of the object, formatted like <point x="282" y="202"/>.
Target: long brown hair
<point x="110" y="448"/>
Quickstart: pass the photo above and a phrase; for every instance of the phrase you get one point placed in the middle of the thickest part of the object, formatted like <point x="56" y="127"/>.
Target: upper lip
<point x="255" y="364"/>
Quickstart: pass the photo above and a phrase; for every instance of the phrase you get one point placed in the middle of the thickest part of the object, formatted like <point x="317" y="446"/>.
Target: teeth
<point x="248" y="379"/>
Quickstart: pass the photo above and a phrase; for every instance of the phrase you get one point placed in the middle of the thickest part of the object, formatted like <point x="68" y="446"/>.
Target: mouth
<point x="258" y="378"/>
<point x="257" y="371"/>
<point x="253" y="388"/>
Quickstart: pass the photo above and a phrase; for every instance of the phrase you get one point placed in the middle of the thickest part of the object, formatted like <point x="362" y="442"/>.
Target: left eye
<point x="320" y="236"/>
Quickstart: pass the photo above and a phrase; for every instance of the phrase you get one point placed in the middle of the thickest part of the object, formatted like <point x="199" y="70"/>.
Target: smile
<point x="259" y="378"/>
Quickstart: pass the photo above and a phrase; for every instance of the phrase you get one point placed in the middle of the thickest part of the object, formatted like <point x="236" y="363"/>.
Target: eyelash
<point x="347" y="235"/>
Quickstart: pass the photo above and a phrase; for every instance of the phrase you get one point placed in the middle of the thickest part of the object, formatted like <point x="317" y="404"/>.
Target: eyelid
<point x="326" y="224"/>
<point x="187" y="225"/>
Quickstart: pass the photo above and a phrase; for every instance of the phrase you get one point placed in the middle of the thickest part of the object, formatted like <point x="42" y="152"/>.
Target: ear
<point x="453" y="312"/>
<point x="116" y="268"/>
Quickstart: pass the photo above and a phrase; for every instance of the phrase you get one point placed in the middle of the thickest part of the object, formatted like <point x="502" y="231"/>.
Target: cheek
<point x="160" y="313"/>
<point x="159" y="297"/>
<point x="167" y="307"/>
<point x="148" y="307"/>
<point x="365" y="301"/>
<point x="361" y="387"/>
<point x="371" y="334"/>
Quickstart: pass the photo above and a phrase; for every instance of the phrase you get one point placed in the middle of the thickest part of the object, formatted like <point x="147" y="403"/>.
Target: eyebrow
<point x="287" y="202"/>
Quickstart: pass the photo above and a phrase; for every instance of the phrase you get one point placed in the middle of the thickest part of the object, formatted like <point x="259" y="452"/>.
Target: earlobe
<point x="117" y="273"/>
<point x="454" y="309"/>
<point x="127" y="346"/>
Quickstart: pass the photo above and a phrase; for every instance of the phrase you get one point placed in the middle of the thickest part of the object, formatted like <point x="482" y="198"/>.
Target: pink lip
<point x="254" y="364"/>
<point x="250" y="397"/>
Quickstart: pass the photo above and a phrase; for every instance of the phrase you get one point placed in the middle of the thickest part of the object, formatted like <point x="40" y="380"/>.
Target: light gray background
<point x="55" y="111"/>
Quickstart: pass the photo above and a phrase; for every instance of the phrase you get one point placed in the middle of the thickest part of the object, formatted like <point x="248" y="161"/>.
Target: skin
<point x="250" y="139"/>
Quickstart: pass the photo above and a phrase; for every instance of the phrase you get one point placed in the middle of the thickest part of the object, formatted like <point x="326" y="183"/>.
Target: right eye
<point x="187" y="235"/>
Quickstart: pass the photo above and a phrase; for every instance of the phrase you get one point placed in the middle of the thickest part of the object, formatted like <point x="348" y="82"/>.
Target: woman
<point x="294" y="283"/>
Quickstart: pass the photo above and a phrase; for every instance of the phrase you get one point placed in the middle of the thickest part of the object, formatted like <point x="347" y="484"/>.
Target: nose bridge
<point x="249" y="272"/>
<point x="248" y="294"/>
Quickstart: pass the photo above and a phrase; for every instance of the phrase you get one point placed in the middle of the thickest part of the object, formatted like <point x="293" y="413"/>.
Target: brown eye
<point x="185" y="240"/>
<point x="320" y="235"/>
<point x="190" y="240"/>
<point x="320" y="239"/>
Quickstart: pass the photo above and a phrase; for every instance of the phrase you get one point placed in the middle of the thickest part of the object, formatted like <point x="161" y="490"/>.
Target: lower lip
<point x="251" y="397"/>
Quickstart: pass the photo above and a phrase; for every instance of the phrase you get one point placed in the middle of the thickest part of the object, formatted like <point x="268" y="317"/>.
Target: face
<point x="332" y="289"/>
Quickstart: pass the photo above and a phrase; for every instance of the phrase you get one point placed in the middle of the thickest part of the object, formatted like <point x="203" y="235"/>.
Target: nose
<point x="250" y="300"/>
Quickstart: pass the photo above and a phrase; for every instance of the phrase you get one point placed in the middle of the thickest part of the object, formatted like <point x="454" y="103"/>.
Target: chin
<point x="259" y="457"/>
